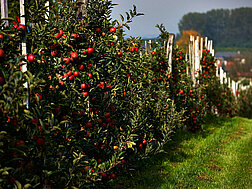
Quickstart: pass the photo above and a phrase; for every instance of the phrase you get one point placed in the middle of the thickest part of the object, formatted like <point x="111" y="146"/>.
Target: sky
<point x="168" y="12"/>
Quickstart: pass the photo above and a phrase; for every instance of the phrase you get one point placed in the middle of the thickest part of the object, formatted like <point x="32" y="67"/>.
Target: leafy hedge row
<point x="97" y="101"/>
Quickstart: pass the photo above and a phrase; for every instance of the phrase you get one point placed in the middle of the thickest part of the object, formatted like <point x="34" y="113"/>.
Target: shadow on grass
<point x="153" y="171"/>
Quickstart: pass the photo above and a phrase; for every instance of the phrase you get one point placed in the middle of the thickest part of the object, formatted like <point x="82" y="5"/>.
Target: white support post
<point x="208" y="45"/>
<point x="201" y="47"/>
<point x="47" y="4"/>
<point x="167" y="49"/>
<point x="225" y="77"/>
<point x="217" y="70"/>
<point x="192" y="59"/>
<point x="211" y="46"/>
<point x="197" y="57"/>
<point x="221" y="75"/>
<point x="4" y="11"/>
<point x="236" y="89"/>
<point x="190" y="56"/>
<point x="206" y="42"/>
<point x="22" y="21"/>
<point x="170" y="44"/>
<point x="145" y="46"/>
<point x="23" y="44"/>
<point x="225" y="62"/>
<point x="229" y="84"/>
<point x="233" y="87"/>
<point x="150" y="44"/>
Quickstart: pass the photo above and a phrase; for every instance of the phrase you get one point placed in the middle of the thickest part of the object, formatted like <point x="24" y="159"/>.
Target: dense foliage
<point x="245" y="103"/>
<point x="95" y="102"/>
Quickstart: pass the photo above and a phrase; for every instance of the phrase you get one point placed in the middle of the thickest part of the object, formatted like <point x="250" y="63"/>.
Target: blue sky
<point x="168" y="12"/>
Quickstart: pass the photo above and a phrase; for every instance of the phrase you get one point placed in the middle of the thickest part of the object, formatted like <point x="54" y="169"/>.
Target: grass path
<point x="218" y="157"/>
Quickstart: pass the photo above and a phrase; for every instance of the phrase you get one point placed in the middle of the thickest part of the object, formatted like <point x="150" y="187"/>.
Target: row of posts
<point x="194" y="56"/>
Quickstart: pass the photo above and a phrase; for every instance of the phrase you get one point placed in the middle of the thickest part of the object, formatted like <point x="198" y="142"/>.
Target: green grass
<point x="218" y="157"/>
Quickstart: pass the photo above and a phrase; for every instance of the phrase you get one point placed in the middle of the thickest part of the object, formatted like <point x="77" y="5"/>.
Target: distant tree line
<point x="228" y="28"/>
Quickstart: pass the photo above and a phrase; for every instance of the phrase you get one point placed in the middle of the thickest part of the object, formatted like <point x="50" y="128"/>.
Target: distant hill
<point x="227" y="28"/>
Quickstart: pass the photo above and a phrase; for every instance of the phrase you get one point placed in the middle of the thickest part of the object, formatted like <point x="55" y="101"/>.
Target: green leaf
<point x="122" y="18"/>
<point x="127" y="26"/>
<point x="18" y="184"/>
<point x="139" y="14"/>
<point x="8" y="18"/>
<point x="128" y="16"/>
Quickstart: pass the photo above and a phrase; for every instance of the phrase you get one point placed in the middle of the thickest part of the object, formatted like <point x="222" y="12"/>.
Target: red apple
<point x="69" y="73"/>
<point x="76" y="73"/>
<point x="88" y="124"/>
<point x="61" y="32"/>
<point x="98" y="30"/>
<point x="113" y="175"/>
<point x="83" y="86"/>
<point x="85" y="94"/>
<point x="31" y="58"/>
<point x="90" y="50"/>
<point x="74" y="55"/>
<point x="66" y="60"/>
<point x="71" y="77"/>
<point x="112" y="30"/>
<point x="81" y="67"/>
<point x="1" y="53"/>
<point x="90" y="75"/>
<point x="107" y="114"/>
<point x="132" y="49"/>
<point x="57" y="35"/>
<point x="40" y="142"/>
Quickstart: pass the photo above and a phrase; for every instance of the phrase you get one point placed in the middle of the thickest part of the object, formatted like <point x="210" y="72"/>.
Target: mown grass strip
<point x="217" y="157"/>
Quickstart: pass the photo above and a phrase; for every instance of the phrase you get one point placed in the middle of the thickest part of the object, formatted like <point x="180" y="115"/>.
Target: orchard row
<point x="96" y="102"/>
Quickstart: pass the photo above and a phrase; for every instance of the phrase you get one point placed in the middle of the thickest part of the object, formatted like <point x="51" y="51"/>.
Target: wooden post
<point x="22" y="21"/>
<point x="169" y="44"/>
<point x="201" y="47"/>
<point x="221" y="75"/>
<point x="150" y="44"/>
<point x="192" y="59"/>
<point x="167" y="49"/>
<point x="236" y="88"/>
<point x="225" y="77"/>
<point x="216" y="64"/>
<point x="206" y="42"/>
<point x="211" y="48"/>
<point x="23" y="45"/>
<point x="4" y="11"/>
<point x="47" y="10"/>
<point x="233" y="86"/>
<point x="190" y="56"/>
<point x="197" y="57"/>
<point x="146" y="48"/>
<point x="208" y="45"/>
